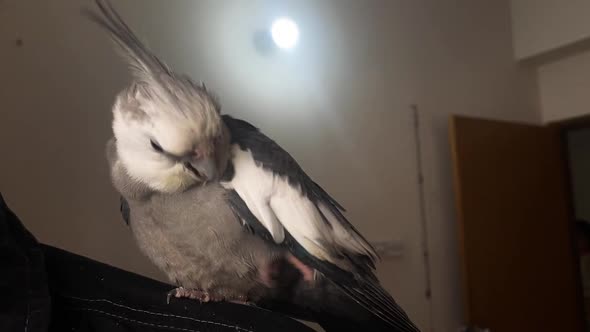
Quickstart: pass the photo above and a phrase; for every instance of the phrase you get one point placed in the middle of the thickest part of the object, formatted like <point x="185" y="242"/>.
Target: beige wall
<point x="564" y="85"/>
<point x="543" y="25"/>
<point x="553" y="36"/>
<point x="339" y="103"/>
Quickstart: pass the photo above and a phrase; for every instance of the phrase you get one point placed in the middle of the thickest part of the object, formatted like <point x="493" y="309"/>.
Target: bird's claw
<point x="194" y="294"/>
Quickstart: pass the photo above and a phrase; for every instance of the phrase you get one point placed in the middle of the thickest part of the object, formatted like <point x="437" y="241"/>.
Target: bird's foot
<point x="282" y="271"/>
<point x="204" y="297"/>
<point x="189" y="293"/>
<point x="307" y="273"/>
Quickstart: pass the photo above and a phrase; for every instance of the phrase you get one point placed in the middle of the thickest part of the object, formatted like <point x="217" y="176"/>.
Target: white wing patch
<point x="279" y="206"/>
<point x="255" y="186"/>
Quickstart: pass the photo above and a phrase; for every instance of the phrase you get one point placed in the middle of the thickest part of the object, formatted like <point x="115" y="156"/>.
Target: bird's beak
<point x="204" y="168"/>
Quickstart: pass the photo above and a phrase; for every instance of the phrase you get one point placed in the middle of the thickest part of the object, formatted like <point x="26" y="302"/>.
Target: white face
<point x="156" y="145"/>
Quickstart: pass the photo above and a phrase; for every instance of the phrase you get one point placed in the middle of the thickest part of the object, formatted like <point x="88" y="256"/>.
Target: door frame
<point x="563" y="127"/>
<point x="559" y="131"/>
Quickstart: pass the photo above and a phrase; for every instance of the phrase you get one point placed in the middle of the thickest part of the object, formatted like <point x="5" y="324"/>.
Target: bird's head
<point x="168" y="129"/>
<point x="170" y="141"/>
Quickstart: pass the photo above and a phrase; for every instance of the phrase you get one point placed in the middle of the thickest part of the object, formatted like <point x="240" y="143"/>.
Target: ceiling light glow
<point x="284" y="33"/>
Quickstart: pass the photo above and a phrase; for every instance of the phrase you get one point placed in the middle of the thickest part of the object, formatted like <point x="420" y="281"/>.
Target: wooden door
<point x="519" y="266"/>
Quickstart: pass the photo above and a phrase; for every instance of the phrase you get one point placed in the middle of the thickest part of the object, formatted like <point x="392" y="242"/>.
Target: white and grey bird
<point x="224" y="211"/>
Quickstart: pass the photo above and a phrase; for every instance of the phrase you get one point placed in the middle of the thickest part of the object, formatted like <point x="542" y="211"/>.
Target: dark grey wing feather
<point x="361" y="284"/>
<point x="271" y="156"/>
<point x="363" y="288"/>
<point x="125" y="210"/>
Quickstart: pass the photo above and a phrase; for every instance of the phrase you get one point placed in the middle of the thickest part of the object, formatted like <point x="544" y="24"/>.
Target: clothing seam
<point x="159" y="313"/>
<point x="135" y="320"/>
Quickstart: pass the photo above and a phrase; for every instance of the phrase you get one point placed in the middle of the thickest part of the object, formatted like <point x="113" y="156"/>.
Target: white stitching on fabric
<point x="136" y="321"/>
<point x="159" y="313"/>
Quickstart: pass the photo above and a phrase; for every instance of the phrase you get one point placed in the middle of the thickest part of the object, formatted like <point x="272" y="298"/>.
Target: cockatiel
<point x="224" y="211"/>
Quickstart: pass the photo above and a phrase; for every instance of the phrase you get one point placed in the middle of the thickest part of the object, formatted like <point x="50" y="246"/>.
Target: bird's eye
<point x="156" y="146"/>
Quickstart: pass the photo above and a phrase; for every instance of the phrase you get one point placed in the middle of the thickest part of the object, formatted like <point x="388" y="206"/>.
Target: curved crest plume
<point x="144" y="64"/>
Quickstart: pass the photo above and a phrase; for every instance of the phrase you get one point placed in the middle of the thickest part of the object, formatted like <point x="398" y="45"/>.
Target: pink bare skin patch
<point x="305" y="270"/>
<point x="270" y="273"/>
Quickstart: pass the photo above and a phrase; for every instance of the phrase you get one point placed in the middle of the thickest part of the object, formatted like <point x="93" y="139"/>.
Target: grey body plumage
<point x="223" y="210"/>
<point x="193" y="236"/>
